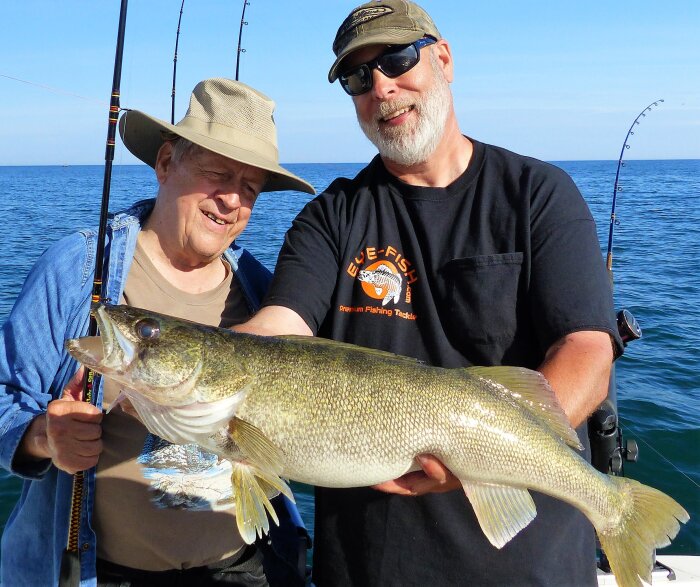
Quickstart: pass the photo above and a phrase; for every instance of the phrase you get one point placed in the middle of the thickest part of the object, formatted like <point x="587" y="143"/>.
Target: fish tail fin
<point x="649" y="519"/>
<point x="253" y="489"/>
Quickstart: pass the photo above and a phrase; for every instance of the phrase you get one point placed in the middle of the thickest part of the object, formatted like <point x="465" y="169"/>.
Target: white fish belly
<point x="338" y="473"/>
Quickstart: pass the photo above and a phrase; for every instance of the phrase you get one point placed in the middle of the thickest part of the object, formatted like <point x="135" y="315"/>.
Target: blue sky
<point x="555" y="80"/>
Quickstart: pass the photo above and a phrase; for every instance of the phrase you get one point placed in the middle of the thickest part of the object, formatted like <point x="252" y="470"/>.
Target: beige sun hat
<point x="226" y="117"/>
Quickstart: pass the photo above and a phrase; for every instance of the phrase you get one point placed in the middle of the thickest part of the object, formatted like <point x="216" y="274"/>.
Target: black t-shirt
<point x="490" y="270"/>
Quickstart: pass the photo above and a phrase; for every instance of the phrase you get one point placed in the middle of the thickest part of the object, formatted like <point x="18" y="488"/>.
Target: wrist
<point x="34" y="445"/>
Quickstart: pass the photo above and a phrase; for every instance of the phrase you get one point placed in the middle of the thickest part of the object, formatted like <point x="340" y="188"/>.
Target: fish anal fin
<point x="255" y="445"/>
<point x="532" y="391"/>
<point x="252" y="489"/>
<point x="502" y="511"/>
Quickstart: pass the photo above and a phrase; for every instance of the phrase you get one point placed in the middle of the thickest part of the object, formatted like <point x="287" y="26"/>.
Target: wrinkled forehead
<point x="208" y="160"/>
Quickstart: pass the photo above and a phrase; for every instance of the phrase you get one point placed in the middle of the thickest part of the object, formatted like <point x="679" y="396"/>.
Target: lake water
<point x="656" y="266"/>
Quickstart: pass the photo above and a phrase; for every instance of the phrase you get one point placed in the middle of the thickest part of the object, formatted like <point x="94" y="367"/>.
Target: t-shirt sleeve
<point x="308" y="264"/>
<point x="569" y="289"/>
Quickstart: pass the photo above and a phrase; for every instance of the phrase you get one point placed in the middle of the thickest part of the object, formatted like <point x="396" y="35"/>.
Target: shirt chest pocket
<point x="482" y="295"/>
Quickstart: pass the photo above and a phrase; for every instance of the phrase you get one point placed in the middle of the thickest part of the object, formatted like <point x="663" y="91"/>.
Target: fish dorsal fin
<point x="325" y="342"/>
<point x="253" y="488"/>
<point x="255" y="446"/>
<point x="532" y="391"/>
<point x="502" y="511"/>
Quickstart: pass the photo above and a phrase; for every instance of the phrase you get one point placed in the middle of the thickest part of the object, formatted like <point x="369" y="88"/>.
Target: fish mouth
<point x="109" y="353"/>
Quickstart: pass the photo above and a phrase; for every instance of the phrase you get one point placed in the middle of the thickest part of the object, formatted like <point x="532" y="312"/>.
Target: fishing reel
<point x="628" y="327"/>
<point x="609" y="451"/>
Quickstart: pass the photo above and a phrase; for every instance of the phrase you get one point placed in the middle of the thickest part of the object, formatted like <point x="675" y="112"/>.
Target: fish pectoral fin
<point x="252" y="489"/>
<point x="502" y="511"/>
<point x="532" y="391"/>
<point x="255" y="445"/>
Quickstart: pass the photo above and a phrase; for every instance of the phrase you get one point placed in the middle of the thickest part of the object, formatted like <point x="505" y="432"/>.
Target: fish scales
<point x="402" y="413"/>
<point x="337" y="415"/>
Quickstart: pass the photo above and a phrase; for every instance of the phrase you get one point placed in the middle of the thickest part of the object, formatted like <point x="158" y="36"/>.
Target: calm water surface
<point x="656" y="266"/>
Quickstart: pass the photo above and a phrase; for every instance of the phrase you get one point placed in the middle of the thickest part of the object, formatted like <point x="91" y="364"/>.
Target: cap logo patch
<point x="360" y="17"/>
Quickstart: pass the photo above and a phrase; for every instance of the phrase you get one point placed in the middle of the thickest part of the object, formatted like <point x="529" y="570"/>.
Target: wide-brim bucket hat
<point x="226" y="117"/>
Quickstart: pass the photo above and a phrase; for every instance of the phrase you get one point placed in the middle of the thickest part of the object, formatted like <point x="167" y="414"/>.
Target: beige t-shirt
<point x="150" y="494"/>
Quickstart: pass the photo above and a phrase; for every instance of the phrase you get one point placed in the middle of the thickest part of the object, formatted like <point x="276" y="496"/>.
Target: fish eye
<point x="147" y="328"/>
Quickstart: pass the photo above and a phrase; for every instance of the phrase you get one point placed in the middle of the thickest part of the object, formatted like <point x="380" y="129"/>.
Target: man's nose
<point x="382" y="86"/>
<point x="229" y="198"/>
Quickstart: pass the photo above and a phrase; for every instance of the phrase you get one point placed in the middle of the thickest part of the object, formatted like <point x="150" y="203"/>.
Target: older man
<point x="457" y="253"/>
<point x="174" y="255"/>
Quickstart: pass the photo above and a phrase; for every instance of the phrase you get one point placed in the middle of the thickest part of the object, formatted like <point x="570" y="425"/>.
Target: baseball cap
<point x="380" y="22"/>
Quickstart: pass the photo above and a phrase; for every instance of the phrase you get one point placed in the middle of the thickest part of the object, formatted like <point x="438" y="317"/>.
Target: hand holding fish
<point x="69" y="433"/>
<point x="434" y="478"/>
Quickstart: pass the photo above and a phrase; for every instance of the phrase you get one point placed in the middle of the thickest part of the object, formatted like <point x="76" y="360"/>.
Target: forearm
<point x="578" y="368"/>
<point x="275" y="321"/>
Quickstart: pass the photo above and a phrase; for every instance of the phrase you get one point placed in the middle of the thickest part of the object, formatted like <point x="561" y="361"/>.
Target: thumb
<point x="74" y="390"/>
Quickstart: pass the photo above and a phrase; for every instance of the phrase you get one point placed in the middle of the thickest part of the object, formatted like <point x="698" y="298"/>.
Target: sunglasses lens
<point x="392" y="64"/>
<point x="357" y="81"/>
<point x="398" y="62"/>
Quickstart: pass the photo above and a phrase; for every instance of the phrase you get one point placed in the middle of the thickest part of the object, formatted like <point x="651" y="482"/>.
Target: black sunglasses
<point x="394" y="62"/>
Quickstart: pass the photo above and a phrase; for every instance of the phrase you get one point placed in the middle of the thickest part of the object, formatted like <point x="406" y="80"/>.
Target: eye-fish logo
<point x="381" y="281"/>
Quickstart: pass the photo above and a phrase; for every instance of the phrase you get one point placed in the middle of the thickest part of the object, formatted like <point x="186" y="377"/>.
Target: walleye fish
<point x="338" y="415"/>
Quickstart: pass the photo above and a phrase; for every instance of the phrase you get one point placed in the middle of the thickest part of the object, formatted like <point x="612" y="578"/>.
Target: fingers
<point x="439" y="479"/>
<point x="73" y="434"/>
<point x="404" y="485"/>
<point x="434" y="469"/>
<point x="434" y="478"/>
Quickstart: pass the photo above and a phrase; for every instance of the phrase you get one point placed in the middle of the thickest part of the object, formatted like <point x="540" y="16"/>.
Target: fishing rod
<point x="70" y="560"/>
<point x="616" y="187"/>
<point x="240" y="37"/>
<point x="609" y="449"/>
<point x="177" y="40"/>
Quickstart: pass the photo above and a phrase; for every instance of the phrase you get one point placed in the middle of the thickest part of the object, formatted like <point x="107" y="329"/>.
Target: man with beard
<point x="457" y="253"/>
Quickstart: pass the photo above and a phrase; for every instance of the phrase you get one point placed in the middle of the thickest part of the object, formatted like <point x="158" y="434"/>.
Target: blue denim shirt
<point x="34" y="368"/>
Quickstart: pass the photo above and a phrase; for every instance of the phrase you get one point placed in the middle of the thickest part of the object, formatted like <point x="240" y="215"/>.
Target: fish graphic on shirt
<point x="384" y="281"/>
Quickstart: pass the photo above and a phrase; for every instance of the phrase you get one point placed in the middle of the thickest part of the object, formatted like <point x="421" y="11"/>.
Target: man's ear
<point x="444" y="55"/>
<point x="164" y="160"/>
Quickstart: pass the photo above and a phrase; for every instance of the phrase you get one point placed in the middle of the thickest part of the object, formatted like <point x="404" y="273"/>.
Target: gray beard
<point x="409" y="144"/>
